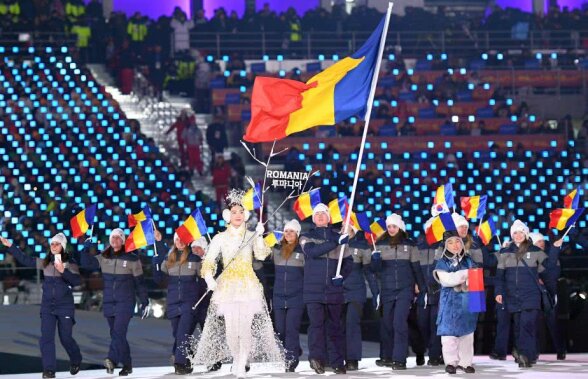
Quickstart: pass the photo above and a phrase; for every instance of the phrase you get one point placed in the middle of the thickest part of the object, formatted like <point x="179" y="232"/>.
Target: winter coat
<point x="289" y="279"/>
<point x="354" y="285"/>
<point x="428" y="257"/>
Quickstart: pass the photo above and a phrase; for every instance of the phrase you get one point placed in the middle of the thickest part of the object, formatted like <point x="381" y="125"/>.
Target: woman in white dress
<point x="238" y="327"/>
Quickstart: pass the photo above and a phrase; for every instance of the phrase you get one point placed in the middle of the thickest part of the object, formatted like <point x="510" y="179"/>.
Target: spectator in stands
<point x="216" y="137"/>
<point x="221" y="176"/>
<point x="181" y="124"/>
<point x="202" y="78"/>
<point x="237" y="171"/>
<point x="181" y="30"/>
<point x="193" y="139"/>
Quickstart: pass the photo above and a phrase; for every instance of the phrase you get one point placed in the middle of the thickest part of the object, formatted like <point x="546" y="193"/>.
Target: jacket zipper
<point x="114" y="281"/>
<point x="285" y="285"/>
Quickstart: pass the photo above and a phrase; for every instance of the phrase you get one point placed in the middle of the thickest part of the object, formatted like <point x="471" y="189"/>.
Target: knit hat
<point x="459" y="220"/>
<point x="519" y="226"/>
<point x="395" y="219"/>
<point x="118" y="232"/>
<point x="176" y="237"/>
<point x="61" y="239"/>
<point x="320" y="207"/>
<point x="293" y="225"/>
<point x="200" y="242"/>
<point x="449" y="234"/>
<point x="536" y="237"/>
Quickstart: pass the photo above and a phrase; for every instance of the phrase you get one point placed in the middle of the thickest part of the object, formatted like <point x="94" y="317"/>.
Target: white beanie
<point x="395" y="219"/>
<point x="176" y="237"/>
<point x="200" y="242"/>
<point x="459" y="220"/>
<point x="519" y="226"/>
<point x="61" y="239"/>
<point x="320" y="207"/>
<point x="118" y="232"/>
<point x="536" y="237"/>
<point x="437" y="209"/>
<point x="293" y="225"/>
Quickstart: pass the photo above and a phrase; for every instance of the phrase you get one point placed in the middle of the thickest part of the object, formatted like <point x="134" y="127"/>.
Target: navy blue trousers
<point x="395" y="320"/>
<point x="559" y="343"/>
<point x="503" y="318"/>
<point x="326" y="325"/>
<point x="119" y="351"/>
<point x="182" y="327"/>
<point x="525" y="332"/>
<point x="427" y="321"/>
<point x="353" y="315"/>
<point x="288" y="328"/>
<point x="64" y="326"/>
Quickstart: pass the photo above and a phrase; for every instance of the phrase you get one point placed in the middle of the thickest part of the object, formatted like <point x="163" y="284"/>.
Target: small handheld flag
<point x="306" y="202"/>
<point x="141" y="236"/>
<point x="476" y="295"/>
<point x="474" y="206"/>
<point x="486" y="231"/>
<point x="273" y="238"/>
<point x="439" y="225"/>
<point x="81" y="222"/>
<point x="134" y="219"/>
<point x="572" y="199"/>
<point x="193" y="228"/>
<point x="252" y="198"/>
<point x="564" y="218"/>
<point x="378" y="227"/>
<point x="338" y="210"/>
<point x="444" y="195"/>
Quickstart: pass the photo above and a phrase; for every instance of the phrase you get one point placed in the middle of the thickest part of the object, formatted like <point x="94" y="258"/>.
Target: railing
<point x="36" y="38"/>
<point x="457" y="42"/>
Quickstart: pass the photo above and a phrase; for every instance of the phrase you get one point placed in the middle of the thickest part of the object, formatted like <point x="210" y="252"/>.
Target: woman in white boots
<point x="243" y="333"/>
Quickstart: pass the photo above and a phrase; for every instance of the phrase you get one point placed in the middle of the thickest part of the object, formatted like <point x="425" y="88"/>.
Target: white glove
<point x="378" y="302"/>
<point x="260" y="228"/>
<point x="210" y="282"/>
<point x="145" y="311"/>
<point x="505" y="244"/>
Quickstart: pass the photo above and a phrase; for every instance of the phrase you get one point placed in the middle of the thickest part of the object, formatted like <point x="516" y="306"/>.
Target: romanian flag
<point x="476" y="295"/>
<point x="134" y="219"/>
<point x="440" y="225"/>
<point x="81" y="222"/>
<point x="474" y="206"/>
<point x="564" y="218"/>
<point x="273" y="238"/>
<point x="193" y="228"/>
<point x="572" y="199"/>
<point x="378" y="228"/>
<point x="280" y="107"/>
<point x="444" y="195"/>
<point x="361" y="220"/>
<point x="305" y="203"/>
<point x="486" y="231"/>
<point x="141" y="236"/>
<point x="338" y="210"/>
<point x="252" y="198"/>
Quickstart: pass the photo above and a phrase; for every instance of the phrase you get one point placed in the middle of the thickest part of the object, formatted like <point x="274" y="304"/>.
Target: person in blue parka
<point x="61" y="274"/>
<point x="396" y="262"/>
<point x="520" y="266"/>
<point x="323" y="291"/>
<point x="455" y="323"/>
<point x="287" y="300"/>
<point x="122" y="274"/>
<point x="182" y="269"/>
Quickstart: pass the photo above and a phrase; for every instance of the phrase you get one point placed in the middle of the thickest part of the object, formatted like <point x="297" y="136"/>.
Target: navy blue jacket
<point x="57" y="287"/>
<point x="122" y="275"/>
<point x="183" y="289"/>
<point x="399" y="270"/>
<point x="428" y="257"/>
<point x="480" y="254"/>
<point x="289" y="279"/>
<point x="354" y="285"/>
<point x="515" y="282"/>
<point x="321" y="255"/>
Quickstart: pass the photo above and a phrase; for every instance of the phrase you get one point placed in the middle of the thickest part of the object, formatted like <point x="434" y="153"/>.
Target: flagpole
<point x="567" y="231"/>
<point x="91" y="231"/>
<point x="154" y="244"/>
<point x="499" y="241"/>
<point x="368" y="115"/>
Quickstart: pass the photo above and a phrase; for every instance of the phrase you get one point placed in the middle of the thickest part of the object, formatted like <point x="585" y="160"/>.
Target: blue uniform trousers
<point x="119" y="351"/>
<point x="288" y="322"/>
<point x="182" y="327"/>
<point x="395" y="318"/>
<point x="326" y="324"/>
<point x="503" y="318"/>
<point x="427" y="321"/>
<point x="64" y="326"/>
<point x="353" y="315"/>
<point x="525" y="332"/>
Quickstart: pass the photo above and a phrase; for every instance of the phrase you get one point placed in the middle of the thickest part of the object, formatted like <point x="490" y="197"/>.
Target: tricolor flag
<point x="361" y="220"/>
<point x="81" y="222"/>
<point x="280" y="107"/>
<point x="252" y="198"/>
<point x="444" y="195"/>
<point x="486" y="231"/>
<point x="571" y="200"/>
<point x="145" y="214"/>
<point x="305" y="203"/>
<point x="338" y="210"/>
<point x="273" y="238"/>
<point x="378" y="227"/>
<point x="141" y="236"/>
<point x="561" y="219"/>
<point x="476" y="295"/>
<point x="193" y="228"/>
<point x="474" y="206"/>
<point x="439" y="225"/>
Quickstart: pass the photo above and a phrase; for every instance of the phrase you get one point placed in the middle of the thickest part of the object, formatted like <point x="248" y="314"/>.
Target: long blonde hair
<point x="172" y="256"/>
<point x="288" y="248"/>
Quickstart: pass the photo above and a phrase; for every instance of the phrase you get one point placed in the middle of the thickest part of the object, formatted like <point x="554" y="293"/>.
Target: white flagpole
<point x="567" y="231"/>
<point x="368" y="115"/>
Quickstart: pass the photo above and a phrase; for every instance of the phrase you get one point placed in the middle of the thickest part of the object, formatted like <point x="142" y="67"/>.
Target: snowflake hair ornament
<point x="234" y="197"/>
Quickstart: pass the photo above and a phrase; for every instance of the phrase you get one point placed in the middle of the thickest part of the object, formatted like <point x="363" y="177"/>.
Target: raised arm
<point x="87" y="260"/>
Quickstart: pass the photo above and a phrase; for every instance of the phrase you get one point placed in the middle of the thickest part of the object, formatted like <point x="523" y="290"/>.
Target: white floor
<point x="576" y="366"/>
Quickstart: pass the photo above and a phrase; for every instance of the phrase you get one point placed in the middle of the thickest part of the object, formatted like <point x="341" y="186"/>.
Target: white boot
<point x="241" y="363"/>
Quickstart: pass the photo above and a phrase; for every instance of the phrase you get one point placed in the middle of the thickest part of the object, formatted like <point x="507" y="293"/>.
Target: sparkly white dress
<point x="238" y="327"/>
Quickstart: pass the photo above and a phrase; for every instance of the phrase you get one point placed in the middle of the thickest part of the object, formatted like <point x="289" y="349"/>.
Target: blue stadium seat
<point x="313" y="67"/>
<point x="487" y="112"/>
<point x="508" y="129"/>
<point x="232" y="98"/>
<point x="427" y="113"/>
<point x="257" y="68"/>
